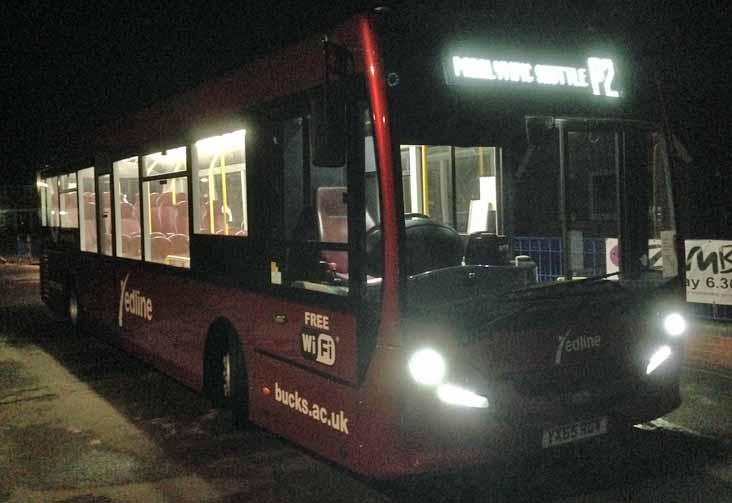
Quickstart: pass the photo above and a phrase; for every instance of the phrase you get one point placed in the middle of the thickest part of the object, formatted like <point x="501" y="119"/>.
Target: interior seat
<point x="333" y="224"/>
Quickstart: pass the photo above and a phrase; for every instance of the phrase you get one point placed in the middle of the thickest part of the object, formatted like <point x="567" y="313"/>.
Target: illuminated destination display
<point x="597" y="76"/>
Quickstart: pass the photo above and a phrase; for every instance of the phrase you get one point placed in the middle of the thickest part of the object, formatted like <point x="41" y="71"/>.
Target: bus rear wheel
<point x="72" y="309"/>
<point x="226" y="377"/>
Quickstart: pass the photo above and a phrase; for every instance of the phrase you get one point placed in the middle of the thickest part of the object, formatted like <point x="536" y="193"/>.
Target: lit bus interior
<point x="508" y="200"/>
<point x="162" y="224"/>
<point x="220" y="185"/>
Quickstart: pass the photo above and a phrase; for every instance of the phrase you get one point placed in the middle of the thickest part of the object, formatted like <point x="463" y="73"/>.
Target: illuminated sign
<point x="597" y="76"/>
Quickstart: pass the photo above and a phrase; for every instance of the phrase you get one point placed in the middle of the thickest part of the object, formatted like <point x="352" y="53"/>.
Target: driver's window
<point x="310" y="215"/>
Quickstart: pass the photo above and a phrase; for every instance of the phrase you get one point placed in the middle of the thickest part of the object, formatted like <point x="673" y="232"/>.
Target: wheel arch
<point x="218" y="334"/>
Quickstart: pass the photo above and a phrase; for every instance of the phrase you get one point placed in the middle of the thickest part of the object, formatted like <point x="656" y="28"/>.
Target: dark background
<point x="66" y="67"/>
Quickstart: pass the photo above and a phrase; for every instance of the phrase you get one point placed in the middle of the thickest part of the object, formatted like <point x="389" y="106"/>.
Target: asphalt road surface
<point x="82" y="422"/>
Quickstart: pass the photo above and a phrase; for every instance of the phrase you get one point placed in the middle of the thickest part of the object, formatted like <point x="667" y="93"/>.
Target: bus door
<point x="305" y="335"/>
<point x="97" y="290"/>
<point x="311" y="322"/>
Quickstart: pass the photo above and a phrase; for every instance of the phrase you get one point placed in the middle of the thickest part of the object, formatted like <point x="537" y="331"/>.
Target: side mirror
<point x="328" y="109"/>
<point x="538" y="129"/>
<point x="328" y="126"/>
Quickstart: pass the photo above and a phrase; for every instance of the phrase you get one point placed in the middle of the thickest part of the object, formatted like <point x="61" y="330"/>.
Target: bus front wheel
<point x="226" y="376"/>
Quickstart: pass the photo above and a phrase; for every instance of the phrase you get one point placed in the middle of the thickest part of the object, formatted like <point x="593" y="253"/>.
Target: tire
<point x="227" y="385"/>
<point x="73" y="310"/>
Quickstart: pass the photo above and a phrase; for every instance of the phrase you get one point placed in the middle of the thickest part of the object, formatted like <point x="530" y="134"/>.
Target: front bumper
<point x="434" y="437"/>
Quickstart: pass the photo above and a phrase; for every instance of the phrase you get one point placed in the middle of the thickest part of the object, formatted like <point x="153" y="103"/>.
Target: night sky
<point x="69" y="66"/>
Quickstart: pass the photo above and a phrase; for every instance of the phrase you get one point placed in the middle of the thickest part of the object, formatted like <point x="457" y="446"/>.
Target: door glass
<point x="105" y="214"/>
<point x="592" y="212"/>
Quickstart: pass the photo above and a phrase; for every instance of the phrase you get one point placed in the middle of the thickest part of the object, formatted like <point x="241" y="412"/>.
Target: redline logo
<point x="133" y="303"/>
<point x="336" y="420"/>
<point x="580" y="343"/>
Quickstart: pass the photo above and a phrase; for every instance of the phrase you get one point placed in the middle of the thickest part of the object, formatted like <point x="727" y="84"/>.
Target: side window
<point x="42" y="186"/>
<point x="104" y="213"/>
<point x="87" y="210"/>
<point x="310" y="217"/>
<point x="52" y="216"/>
<point x="220" y="185"/>
<point x="68" y="202"/>
<point x="127" y="208"/>
<point x="165" y="207"/>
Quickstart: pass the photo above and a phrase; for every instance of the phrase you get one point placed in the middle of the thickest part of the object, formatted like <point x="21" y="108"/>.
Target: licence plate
<point x="573" y="432"/>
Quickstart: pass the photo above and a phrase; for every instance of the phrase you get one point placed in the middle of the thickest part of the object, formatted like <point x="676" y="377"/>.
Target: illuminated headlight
<point x="674" y="324"/>
<point x="427" y="367"/>
<point x="456" y="395"/>
<point x="660" y="356"/>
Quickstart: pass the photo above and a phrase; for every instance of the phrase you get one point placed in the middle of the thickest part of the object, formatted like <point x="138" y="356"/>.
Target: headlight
<point x="660" y="356"/>
<point x="674" y="324"/>
<point x="427" y="367"/>
<point x="456" y="395"/>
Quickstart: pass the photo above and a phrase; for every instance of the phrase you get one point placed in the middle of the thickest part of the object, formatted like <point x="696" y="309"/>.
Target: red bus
<point x="407" y="249"/>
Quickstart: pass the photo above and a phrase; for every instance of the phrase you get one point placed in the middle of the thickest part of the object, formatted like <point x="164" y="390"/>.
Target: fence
<point x="547" y="253"/>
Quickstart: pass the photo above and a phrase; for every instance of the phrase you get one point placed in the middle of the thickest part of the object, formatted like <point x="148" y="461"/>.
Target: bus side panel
<point x="165" y="314"/>
<point x="56" y="269"/>
<point x="51" y="287"/>
<point x="311" y="336"/>
<point x="95" y="286"/>
<point x="308" y="408"/>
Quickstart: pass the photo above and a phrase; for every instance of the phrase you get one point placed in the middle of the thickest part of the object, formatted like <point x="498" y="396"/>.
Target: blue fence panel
<point x="547" y="253"/>
<point x="712" y="312"/>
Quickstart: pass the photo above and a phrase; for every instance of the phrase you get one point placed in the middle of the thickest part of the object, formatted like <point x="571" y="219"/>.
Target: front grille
<point x="559" y="380"/>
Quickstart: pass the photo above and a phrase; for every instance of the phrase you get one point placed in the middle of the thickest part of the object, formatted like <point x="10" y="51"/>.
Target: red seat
<point x="166" y="213"/>
<point x="333" y="223"/>
<point x="218" y="219"/>
<point x="131" y="246"/>
<point x="181" y="217"/>
<point x="129" y="223"/>
<point x="152" y="210"/>
<point x="90" y="225"/>
<point x="159" y="248"/>
<point x="179" y="245"/>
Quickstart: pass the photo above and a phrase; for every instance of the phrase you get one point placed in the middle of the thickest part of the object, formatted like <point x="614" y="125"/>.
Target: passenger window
<point x="42" y="186"/>
<point x="52" y="216"/>
<point x="220" y="185"/>
<point x="127" y="208"/>
<point x="87" y="210"/>
<point x="166" y="162"/>
<point x="165" y="209"/>
<point x="68" y="201"/>
<point x="310" y="216"/>
<point x="104" y="209"/>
